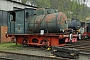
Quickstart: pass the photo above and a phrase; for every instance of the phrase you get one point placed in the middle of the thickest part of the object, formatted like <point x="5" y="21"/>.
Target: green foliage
<point x="9" y="46"/>
<point x="23" y="1"/>
<point x="43" y="3"/>
<point x="73" y="9"/>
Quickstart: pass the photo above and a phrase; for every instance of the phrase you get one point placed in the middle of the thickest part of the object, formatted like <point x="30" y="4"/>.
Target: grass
<point x="9" y="46"/>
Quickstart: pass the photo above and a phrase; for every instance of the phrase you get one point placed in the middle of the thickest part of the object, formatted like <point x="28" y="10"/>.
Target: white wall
<point x="8" y="6"/>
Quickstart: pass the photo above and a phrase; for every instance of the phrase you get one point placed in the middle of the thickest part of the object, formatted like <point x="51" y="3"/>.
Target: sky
<point x="88" y="3"/>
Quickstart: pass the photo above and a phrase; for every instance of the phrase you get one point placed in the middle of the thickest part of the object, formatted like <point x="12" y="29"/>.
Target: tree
<point x="72" y="8"/>
<point x="24" y="1"/>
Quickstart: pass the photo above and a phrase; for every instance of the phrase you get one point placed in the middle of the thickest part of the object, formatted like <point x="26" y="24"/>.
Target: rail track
<point x="82" y="45"/>
<point x="19" y="56"/>
<point x="80" y="50"/>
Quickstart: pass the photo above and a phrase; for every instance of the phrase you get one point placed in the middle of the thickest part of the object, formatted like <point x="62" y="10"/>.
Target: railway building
<point x="9" y="5"/>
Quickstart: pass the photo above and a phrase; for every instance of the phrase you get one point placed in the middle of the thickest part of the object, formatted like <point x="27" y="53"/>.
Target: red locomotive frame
<point x="46" y="40"/>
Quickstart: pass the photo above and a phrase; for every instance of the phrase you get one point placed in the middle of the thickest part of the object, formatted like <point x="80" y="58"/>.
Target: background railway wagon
<point x="84" y="30"/>
<point x="88" y="29"/>
<point x="3" y="26"/>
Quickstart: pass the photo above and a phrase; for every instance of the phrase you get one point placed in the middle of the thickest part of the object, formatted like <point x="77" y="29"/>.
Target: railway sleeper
<point x="63" y="49"/>
<point x="66" y="55"/>
<point x="77" y="46"/>
<point x="65" y="52"/>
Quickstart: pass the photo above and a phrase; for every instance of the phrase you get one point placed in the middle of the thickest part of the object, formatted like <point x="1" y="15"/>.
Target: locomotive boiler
<point x="43" y="28"/>
<point x="50" y="23"/>
<point x="75" y="24"/>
